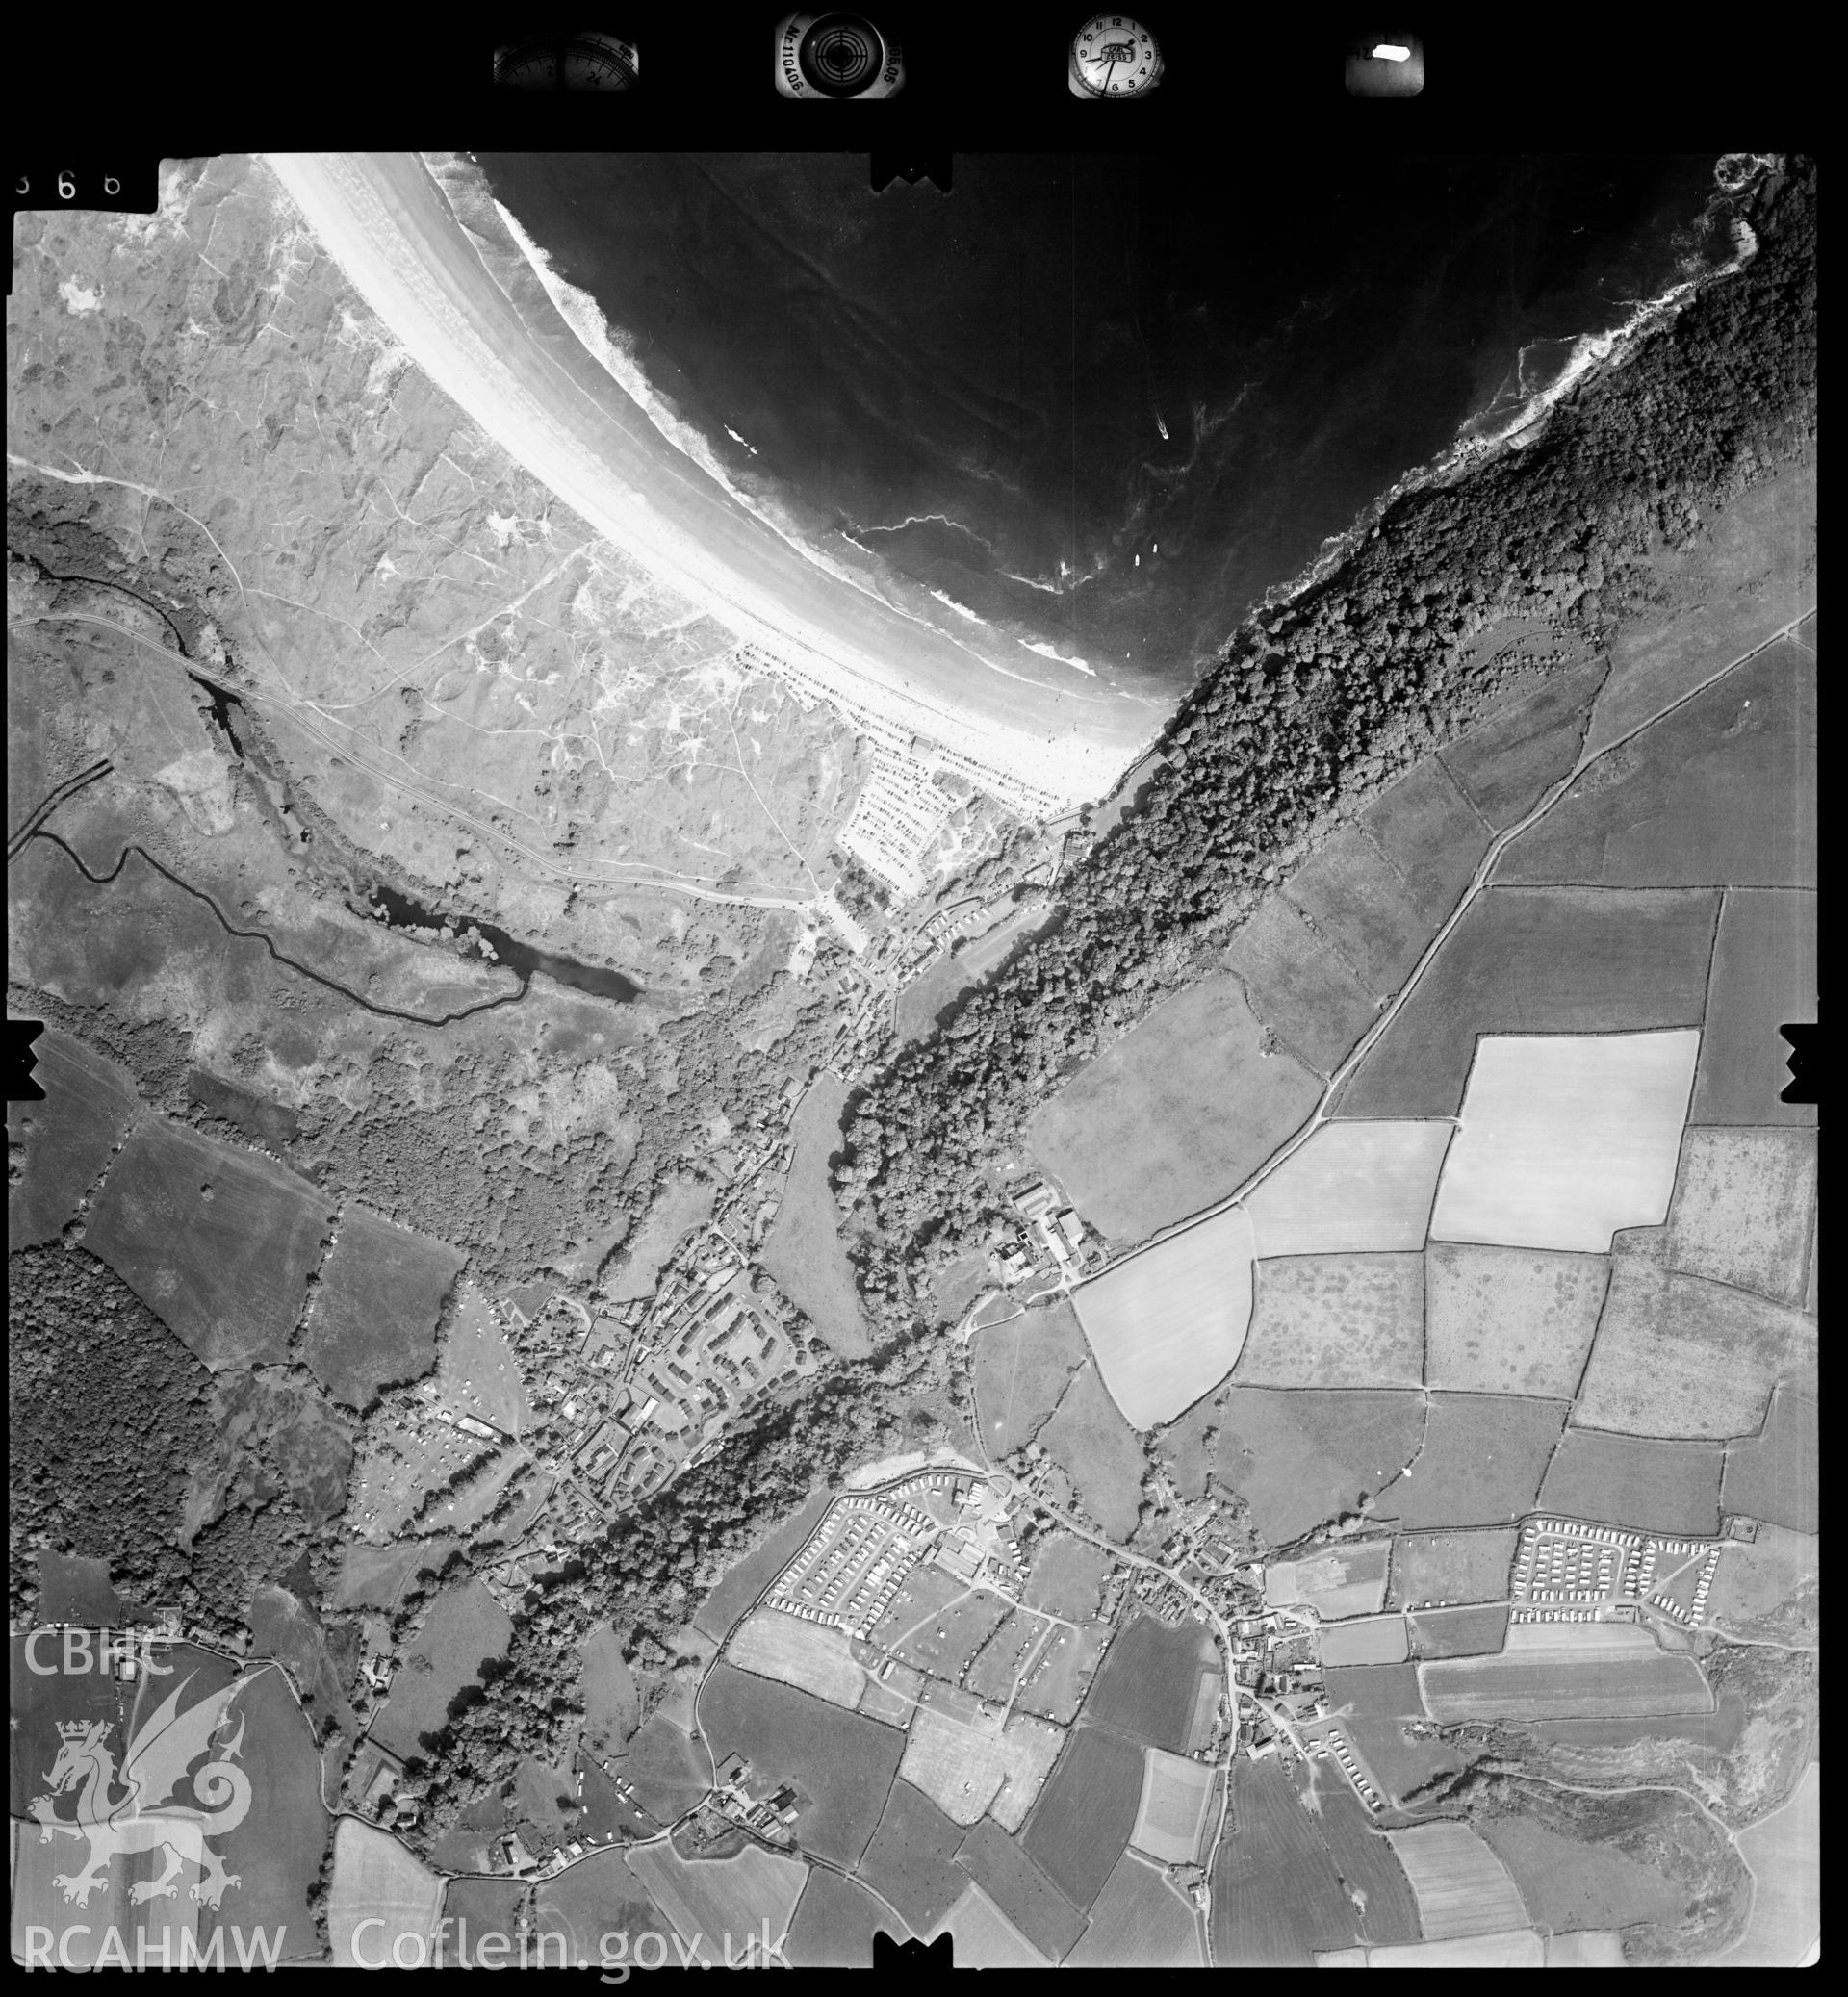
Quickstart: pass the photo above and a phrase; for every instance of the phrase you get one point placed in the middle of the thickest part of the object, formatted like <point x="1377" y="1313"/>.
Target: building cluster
<point x="765" y="1804"/>
<point x="896" y="820"/>
<point x="1336" y="1744"/>
<point x="1565" y="1571"/>
<point x="1053" y="1238"/>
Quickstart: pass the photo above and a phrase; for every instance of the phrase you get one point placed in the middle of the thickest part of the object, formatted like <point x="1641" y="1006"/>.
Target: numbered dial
<point x="586" y="62"/>
<point x="1113" y="56"/>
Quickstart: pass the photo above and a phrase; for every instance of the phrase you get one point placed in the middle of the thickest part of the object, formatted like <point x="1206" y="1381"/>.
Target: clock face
<point x="585" y="62"/>
<point x="1113" y="56"/>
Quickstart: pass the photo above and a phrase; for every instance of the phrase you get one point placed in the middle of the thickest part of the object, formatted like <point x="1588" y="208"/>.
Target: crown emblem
<point x="73" y="1729"/>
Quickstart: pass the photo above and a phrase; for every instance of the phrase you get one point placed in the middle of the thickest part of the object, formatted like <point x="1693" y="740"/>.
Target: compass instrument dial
<point x="1115" y="57"/>
<point x="837" y="55"/>
<point x="583" y="61"/>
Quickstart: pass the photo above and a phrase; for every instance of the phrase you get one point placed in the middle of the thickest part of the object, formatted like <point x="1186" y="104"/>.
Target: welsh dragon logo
<point x="146" y="1818"/>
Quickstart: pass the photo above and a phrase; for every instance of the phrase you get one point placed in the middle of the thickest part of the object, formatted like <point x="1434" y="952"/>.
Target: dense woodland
<point x="1313" y="708"/>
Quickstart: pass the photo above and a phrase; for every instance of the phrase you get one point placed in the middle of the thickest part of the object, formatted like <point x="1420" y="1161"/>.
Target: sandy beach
<point x="542" y="398"/>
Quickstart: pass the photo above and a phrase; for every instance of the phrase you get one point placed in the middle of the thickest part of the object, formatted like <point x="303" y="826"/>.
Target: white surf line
<point x="1289" y="1148"/>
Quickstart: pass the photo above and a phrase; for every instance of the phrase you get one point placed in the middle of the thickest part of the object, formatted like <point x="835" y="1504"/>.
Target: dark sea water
<point x="976" y="387"/>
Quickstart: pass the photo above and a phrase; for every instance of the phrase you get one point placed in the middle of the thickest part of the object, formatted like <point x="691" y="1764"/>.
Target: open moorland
<point x="1743" y="1209"/>
<point x="1510" y="1320"/>
<point x="1336" y="1321"/>
<point x="57" y="1148"/>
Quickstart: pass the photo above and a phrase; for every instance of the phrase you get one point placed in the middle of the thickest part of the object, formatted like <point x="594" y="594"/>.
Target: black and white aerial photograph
<point x="912" y="1054"/>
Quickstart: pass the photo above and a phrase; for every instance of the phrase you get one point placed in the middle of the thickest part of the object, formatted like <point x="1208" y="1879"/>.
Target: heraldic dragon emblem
<point x="146" y="1817"/>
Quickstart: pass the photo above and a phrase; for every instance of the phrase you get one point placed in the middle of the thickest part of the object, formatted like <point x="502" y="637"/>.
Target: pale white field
<point x="968" y="1767"/>
<point x="809" y="1654"/>
<point x="1785" y="1851"/>
<point x="1347" y="1580"/>
<point x="1167" y="1324"/>
<point x="1590" y="1948"/>
<point x="1353" y="1189"/>
<point x="1462" y="1888"/>
<point x="712" y="1898"/>
<point x="1368" y="1640"/>
<point x="377" y="1879"/>
<point x="1514" y="1948"/>
<point x="984" y="1937"/>
<point x="1565" y="1138"/>
<point x="1170" y="1818"/>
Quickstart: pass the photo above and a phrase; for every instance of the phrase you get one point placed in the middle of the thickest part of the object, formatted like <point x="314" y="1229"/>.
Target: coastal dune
<point x="384" y="219"/>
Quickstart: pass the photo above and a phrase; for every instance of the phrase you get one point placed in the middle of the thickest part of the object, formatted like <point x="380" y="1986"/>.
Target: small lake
<point x="401" y="912"/>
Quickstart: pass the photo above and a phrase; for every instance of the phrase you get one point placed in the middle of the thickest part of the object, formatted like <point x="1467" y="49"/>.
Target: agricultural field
<point x="1588" y="1949"/>
<point x="709" y="1899"/>
<point x="1743" y="1209"/>
<point x="612" y="1706"/>
<point x="1176" y="1802"/>
<point x="218" y="1243"/>
<point x="1366" y="1640"/>
<point x="843" y="1762"/>
<point x="479" y="1909"/>
<point x="1067" y="1578"/>
<point x="1638" y="1481"/>
<point x="1770" y="1589"/>
<point x="1302" y="1457"/>
<point x="1566" y="1139"/>
<point x="377" y="1879"/>
<point x="1357" y="902"/>
<point x="940" y="1633"/>
<point x="1174" y="1116"/>
<point x="373" y="1321"/>
<point x="1568" y="1885"/>
<point x="57" y="1148"/>
<point x="375" y="1577"/>
<point x="1538" y="962"/>
<point x="1567" y="1670"/>
<point x="1775" y="1474"/>
<point x="967" y="1763"/>
<point x="1461" y="1887"/>
<point x="1720" y="790"/>
<point x="998" y="1669"/>
<point x="1431" y="835"/>
<point x="984" y="1937"/>
<point x="1785" y="1851"/>
<point x="804" y="1251"/>
<point x="1764" y="975"/>
<point x="1150" y="1679"/>
<point x="478" y="1370"/>
<point x="1277" y="1897"/>
<point x="1336" y="1321"/>
<point x="465" y="1628"/>
<point x="1507" y="764"/>
<point x="1005" y="1872"/>
<point x="1514" y="1948"/>
<point x="835" y="1923"/>
<point x="1021" y="1369"/>
<point x="1139" y="1922"/>
<point x="1169" y="1324"/>
<point x="1085" y="1812"/>
<point x="1459" y="1633"/>
<point x="818" y="1659"/>
<point x="1056" y="1685"/>
<point x="894" y="1696"/>
<point x="748" y="1578"/>
<point x="1098" y="1449"/>
<point x="1678" y="1355"/>
<point x="75" y="1589"/>
<point x="1366" y="1863"/>
<point x="1484" y="1458"/>
<point x="911" y="1859"/>
<point x="1353" y="1189"/>
<point x="1344" y="1579"/>
<point x="1430" y="1566"/>
<point x="1510" y="1320"/>
<point x="669" y="1770"/>
<point x="1300" y="988"/>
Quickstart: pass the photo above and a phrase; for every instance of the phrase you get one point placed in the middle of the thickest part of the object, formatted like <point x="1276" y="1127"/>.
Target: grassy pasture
<point x="1765" y="974"/>
<point x="1149" y="1678"/>
<point x="1483" y="1457"/>
<point x="1300" y="988"/>
<point x="479" y="1366"/>
<point x="1366" y="1640"/>
<point x="965" y="1623"/>
<point x="984" y="1937"/>
<point x="1056" y="1685"/>
<point x="74" y="1588"/>
<point x="1353" y="1189"/>
<point x="1451" y="1567"/>
<point x="1722" y="790"/>
<point x="1460" y="1633"/>
<point x="1430" y="835"/>
<point x="1098" y="1451"/>
<point x="1277" y="1895"/>
<point x="1347" y="1579"/>
<point x="1785" y="1851"/>
<point x="1677" y="1355"/>
<point x="1775" y="1474"/>
<point x="260" y="1117"/>
<point x="803" y="1251"/>
<point x="966" y="1765"/>
<point x="1537" y="961"/>
<point x="910" y="1860"/>
<point x="1585" y="1677"/>
<point x="1336" y="1321"/>
<point x="218" y="1243"/>
<point x="57" y="1148"/>
<point x="1139" y="1922"/>
<point x="1770" y="1588"/>
<point x="465" y="1628"/>
<point x="1171" y="1816"/>
<point x="1586" y="1949"/>
<point x="375" y="1577"/>
<point x="374" y="1318"/>
<point x="377" y="1879"/>
<point x="1566" y="1139"/>
<point x="1462" y="1887"/>
<point x="1299" y="1457"/>
<point x="1356" y="900"/>
<point x="1001" y="1866"/>
<point x="668" y="1770"/>
<point x="1085" y="1812"/>
<point x="708" y="1899"/>
<point x="1742" y="1209"/>
<point x="1402" y="1762"/>
<point x="544" y="1797"/>
<point x="835" y="1923"/>
<point x="1021" y="1369"/>
<point x="1567" y="1884"/>
<point x="1170" y="1323"/>
<point x="612" y="1709"/>
<point x="1174" y="1116"/>
<point x="843" y="1762"/>
<point x="1511" y="1947"/>
<point x="1067" y="1578"/>
<point x="1367" y="1864"/>
<point x="996" y="1670"/>
<point x="1638" y="1481"/>
<point x="1508" y="760"/>
<point x="480" y="1907"/>
<point x="1509" y="1321"/>
<point x="743" y="1582"/>
<point x="809" y="1654"/>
